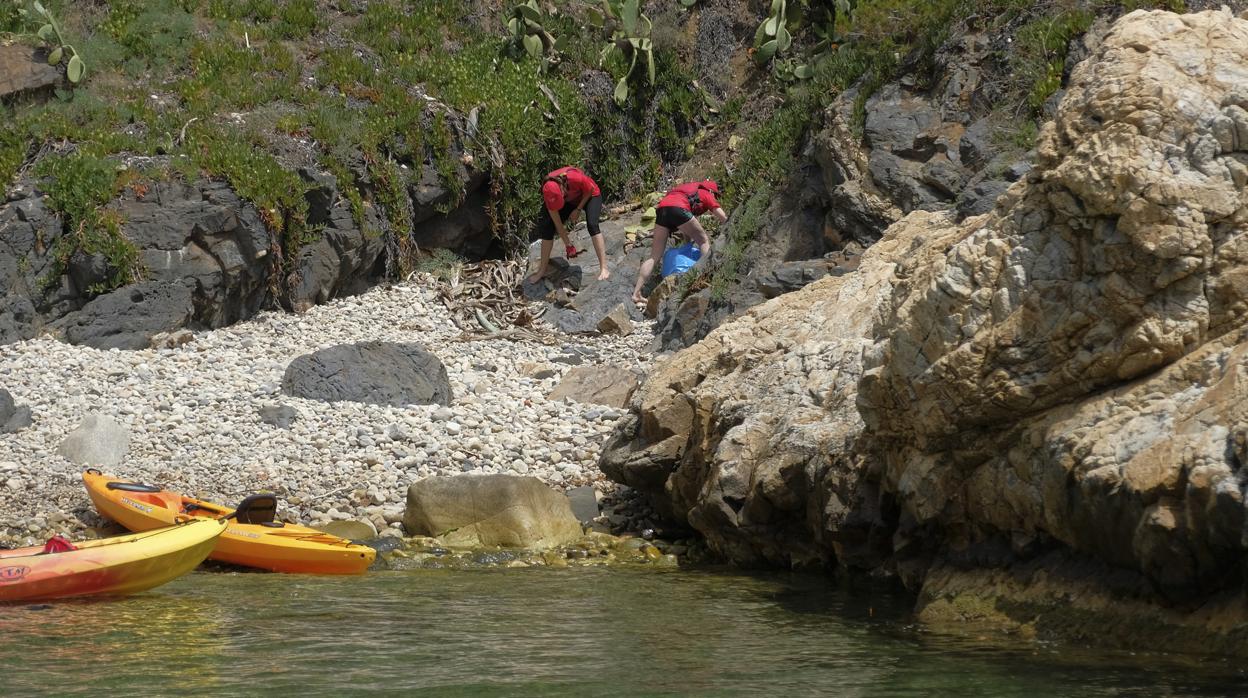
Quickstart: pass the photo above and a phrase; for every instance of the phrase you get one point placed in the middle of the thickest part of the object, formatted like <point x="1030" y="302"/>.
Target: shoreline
<point x="192" y="413"/>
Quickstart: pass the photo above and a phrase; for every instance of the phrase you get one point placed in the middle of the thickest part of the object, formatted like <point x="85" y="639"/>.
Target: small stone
<point x="616" y="322"/>
<point x="280" y="416"/>
<point x="443" y="414"/>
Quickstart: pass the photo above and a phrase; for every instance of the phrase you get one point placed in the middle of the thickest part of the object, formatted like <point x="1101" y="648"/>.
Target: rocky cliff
<point x="1036" y="404"/>
<point x="208" y="259"/>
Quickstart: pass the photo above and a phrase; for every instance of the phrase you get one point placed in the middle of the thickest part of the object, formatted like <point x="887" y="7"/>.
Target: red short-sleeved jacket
<point x="577" y="183"/>
<point x="692" y="196"/>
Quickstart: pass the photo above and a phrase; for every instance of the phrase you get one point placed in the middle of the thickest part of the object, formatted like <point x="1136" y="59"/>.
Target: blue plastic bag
<point x="679" y="260"/>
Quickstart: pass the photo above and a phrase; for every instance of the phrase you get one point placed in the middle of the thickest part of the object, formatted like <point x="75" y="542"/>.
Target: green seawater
<point x="571" y="632"/>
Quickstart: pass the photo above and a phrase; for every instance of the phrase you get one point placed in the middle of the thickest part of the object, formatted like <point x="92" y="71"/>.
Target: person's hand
<point x="573" y="218"/>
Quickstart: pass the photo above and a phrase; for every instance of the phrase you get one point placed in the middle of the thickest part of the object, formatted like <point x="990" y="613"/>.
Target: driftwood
<point x="485" y="302"/>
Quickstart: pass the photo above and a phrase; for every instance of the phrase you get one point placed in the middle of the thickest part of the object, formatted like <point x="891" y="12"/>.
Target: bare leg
<point x="600" y="249"/>
<point x="647" y="267"/>
<point x="694" y="232"/>
<point x="547" y="246"/>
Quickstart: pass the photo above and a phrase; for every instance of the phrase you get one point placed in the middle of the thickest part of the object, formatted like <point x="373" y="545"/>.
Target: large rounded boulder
<point x="378" y="373"/>
<point x="490" y="510"/>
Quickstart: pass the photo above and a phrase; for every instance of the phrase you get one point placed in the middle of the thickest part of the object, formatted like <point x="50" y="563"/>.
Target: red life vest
<point x="572" y="185"/>
<point x="696" y="197"/>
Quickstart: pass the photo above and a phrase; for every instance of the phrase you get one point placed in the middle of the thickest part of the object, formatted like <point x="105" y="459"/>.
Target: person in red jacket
<point x="678" y="211"/>
<point x="565" y="194"/>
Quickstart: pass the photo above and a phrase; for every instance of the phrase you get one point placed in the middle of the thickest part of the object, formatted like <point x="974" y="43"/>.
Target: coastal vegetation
<point x="376" y="92"/>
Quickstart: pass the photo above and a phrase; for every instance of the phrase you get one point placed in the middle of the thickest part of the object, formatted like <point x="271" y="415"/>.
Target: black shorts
<point x="672" y="217"/>
<point x="593" y="212"/>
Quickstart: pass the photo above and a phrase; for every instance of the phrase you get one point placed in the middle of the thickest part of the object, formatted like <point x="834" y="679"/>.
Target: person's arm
<point x="563" y="233"/>
<point x="720" y="215"/>
<point x="580" y="206"/>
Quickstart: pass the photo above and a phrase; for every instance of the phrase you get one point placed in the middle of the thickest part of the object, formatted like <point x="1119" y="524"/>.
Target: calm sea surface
<point x="573" y="632"/>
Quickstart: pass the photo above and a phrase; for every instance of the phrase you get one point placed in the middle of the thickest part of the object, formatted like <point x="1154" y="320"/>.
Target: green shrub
<point x="442" y="264"/>
<point x="77" y="187"/>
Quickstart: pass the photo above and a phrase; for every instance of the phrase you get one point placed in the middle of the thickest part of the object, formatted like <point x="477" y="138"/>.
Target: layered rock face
<point x="208" y="259"/>
<point x="1123" y="253"/>
<point x="1063" y="376"/>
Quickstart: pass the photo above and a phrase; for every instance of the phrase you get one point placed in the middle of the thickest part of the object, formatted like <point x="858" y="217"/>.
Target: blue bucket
<point x="679" y="260"/>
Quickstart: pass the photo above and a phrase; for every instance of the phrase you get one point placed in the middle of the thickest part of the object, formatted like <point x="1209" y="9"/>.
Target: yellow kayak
<point x="108" y="566"/>
<point x="252" y="539"/>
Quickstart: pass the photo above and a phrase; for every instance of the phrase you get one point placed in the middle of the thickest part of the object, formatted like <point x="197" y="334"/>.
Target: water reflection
<point x="567" y="632"/>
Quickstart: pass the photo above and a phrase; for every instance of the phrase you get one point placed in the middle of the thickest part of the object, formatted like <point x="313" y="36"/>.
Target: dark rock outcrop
<point x="203" y="237"/>
<point x="129" y="317"/>
<point x="378" y="373"/>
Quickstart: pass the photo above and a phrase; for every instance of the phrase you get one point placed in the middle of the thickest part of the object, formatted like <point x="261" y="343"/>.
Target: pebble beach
<point x="193" y="416"/>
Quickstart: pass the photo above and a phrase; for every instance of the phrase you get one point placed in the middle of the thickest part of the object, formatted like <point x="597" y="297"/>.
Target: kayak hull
<point x="108" y="566"/>
<point x="274" y="547"/>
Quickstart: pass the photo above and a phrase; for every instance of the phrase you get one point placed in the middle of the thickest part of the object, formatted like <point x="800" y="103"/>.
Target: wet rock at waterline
<point x="599" y="385"/>
<point x="98" y="441"/>
<point x="377" y="373"/>
<point x="584" y="502"/>
<point x="487" y="510"/>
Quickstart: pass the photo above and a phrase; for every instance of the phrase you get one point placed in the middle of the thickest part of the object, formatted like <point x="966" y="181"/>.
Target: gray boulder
<point x="97" y="441"/>
<point x="13" y="417"/>
<point x="895" y="120"/>
<point x="980" y="197"/>
<point x="791" y="276"/>
<point x="378" y="373"/>
<point x="7" y="407"/>
<point x="129" y="317"/>
<point x="280" y="416"/>
<point x="490" y="510"/>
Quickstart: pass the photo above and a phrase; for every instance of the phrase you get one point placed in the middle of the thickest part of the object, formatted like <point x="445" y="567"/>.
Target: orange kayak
<point x="108" y="566"/>
<point x="252" y="539"/>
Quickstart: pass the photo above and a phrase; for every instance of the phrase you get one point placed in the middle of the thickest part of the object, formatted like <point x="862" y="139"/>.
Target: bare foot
<point x="537" y="276"/>
<point x="604" y="275"/>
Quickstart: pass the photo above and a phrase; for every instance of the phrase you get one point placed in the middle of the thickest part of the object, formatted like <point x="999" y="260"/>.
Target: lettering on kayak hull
<point x="9" y="575"/>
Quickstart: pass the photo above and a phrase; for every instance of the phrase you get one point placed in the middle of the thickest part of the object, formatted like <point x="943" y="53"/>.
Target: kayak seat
<point x="132" y="487"/>
<point x="256" y="509"/>
<point x="57" y="544"/>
